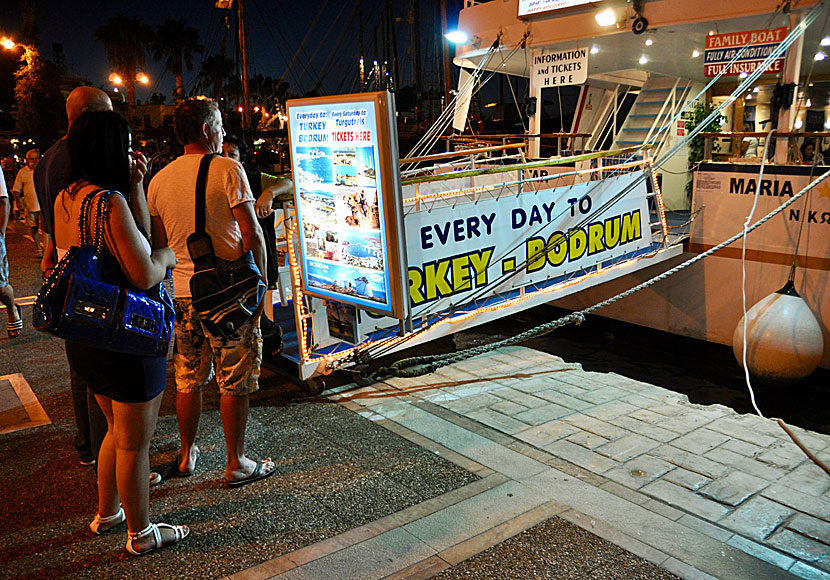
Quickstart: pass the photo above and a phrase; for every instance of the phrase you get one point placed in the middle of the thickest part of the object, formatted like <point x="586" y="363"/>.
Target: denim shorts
<point x="235" y="361"/>
<point x="4" y="263"/>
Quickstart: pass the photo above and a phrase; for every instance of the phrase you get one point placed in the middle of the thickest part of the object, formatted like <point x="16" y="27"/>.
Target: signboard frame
<point x="536" y="7"/>
<point x="380" y="117"/>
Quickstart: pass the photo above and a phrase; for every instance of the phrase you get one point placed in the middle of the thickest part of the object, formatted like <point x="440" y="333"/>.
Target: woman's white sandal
<point x="179" y="534"/>
<point x="99" y="524"/>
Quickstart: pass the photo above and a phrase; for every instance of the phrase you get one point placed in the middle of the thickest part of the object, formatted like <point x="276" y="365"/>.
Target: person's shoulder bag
<point x="225" y="293"/>
<point x="87" y="298"/>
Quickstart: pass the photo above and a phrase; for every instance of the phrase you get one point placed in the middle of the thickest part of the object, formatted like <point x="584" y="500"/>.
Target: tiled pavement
<point x="700" y="491"/>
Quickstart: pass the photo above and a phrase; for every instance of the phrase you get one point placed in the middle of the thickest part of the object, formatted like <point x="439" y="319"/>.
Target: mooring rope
<point x="421" y="365"/>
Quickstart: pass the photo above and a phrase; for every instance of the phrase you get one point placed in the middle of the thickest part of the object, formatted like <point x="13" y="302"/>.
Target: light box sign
<point x="722" y="48"/>
<point x="531" y="7"/>
<point x="345" y="198"/>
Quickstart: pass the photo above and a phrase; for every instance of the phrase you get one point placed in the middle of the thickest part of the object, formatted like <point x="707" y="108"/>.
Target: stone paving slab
<point x="730" y="477"/>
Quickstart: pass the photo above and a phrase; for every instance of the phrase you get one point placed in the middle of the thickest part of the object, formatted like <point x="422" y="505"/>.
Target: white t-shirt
<point x="25" y="183"/>
<point x="3" y="192"/>
<point x="171" y="197"/>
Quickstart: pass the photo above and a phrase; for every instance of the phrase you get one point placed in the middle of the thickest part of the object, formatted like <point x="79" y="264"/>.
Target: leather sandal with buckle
<point x="179" y="534"/>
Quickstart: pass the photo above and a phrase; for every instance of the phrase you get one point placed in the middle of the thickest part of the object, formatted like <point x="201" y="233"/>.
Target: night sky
<point x="275" y="31"/>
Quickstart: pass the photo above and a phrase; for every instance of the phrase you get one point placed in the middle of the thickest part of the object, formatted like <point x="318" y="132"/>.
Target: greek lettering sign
<point x="722" y="48"/>
<point x="529" y="7"/>
<point x="729" y="195"/>
<point x="557" y="69"/>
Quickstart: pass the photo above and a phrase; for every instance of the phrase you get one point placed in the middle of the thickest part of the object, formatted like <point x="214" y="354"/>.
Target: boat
<point x="645" y="87"/>
<point x="493" y="228"/>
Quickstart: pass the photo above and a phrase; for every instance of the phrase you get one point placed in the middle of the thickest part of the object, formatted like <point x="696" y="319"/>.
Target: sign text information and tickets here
<point x="343" y="241"/>
<point x="556" y="69"/>
<point x="722" y="48"/>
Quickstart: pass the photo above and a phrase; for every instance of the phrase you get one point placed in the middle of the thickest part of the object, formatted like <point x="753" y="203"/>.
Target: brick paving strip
<point x="700" y="491"/>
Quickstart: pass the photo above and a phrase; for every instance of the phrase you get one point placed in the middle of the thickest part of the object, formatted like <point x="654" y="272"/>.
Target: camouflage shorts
<point x="237" y="359"/>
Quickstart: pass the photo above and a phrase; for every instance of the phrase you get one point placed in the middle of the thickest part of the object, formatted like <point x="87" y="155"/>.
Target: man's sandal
<point x="15" y="328"/>
<point x="179" y="534"/>
<point x="101" y="524"/>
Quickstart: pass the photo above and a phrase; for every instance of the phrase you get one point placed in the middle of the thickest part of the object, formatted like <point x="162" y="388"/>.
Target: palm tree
<point x="125" y="40"/>
<point x="177" y="42"/>
<point x="216" y="72"/>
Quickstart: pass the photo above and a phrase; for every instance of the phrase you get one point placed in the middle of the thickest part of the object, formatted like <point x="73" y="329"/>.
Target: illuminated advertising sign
<point x="531" y="7"/>
<point x="722" y="48"/>
<point x="345" y="192"/>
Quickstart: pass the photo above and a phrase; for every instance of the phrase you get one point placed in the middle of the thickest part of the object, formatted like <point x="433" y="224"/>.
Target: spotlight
<point x="649" y="42"/>
<point x="594" y="49"/>
<point x="819" y="56"/>
<point x="695" y="53"/>
<point x="643" y="59"/>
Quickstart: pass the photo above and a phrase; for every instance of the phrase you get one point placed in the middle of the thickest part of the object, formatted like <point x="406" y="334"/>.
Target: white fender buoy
<point x="784" y="342"/>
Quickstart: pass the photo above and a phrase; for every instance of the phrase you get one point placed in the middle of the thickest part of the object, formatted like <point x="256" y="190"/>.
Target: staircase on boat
<point x="660" y="99"/>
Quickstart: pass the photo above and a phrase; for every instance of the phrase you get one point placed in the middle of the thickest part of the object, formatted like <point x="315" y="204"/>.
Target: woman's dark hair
<point x="240" y="144"/>
<point x="99" y="144"/>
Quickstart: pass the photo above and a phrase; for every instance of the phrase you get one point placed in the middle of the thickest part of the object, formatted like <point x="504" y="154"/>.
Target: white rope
<point x="743" y="272"/>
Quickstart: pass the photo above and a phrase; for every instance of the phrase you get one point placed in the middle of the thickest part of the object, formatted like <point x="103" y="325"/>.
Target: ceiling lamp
<point x="594" y="49"/>
<point x="649" y="42"/>
<point x="643" y="59"/>
<point x="606" y="17"/>
<point x="819" y="56"/>
<point x="695" y="53"/>
<point x="825" y="41"/>
<point x="798" y="124"/>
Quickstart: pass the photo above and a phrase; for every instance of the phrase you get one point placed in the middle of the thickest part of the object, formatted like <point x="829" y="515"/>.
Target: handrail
<point x="448" y="154"/>
<point x="709" y="136"/>
<point x="529" y="165"/>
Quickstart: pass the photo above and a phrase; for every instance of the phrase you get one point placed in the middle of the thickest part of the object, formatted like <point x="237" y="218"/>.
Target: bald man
<point x="52" y="173"/>
<point x="51" y="176"/>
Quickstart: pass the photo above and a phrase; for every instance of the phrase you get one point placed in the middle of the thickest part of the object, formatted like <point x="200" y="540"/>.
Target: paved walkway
<point x="700" y="491"/>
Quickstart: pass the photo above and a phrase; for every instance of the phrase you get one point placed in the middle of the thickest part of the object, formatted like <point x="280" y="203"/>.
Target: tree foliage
<point x="39" y="111"/>
<point x="126" y="40"/>
<point x="177" y="43"/>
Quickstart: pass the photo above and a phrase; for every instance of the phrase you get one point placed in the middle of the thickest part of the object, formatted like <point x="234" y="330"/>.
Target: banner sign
<point x="728" y="197"/>
<point x="557" y="69"/>
<point x="456" y="250"/>
<point x="722" y="48"/>
<point x="343" y="200"/>
<point x="529" y="7"/>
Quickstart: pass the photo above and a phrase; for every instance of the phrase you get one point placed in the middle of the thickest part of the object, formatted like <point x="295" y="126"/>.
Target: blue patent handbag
<point x="87" y="298"/>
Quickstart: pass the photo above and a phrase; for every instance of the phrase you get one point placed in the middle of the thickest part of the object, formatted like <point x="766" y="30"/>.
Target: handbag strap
<point x="201" y="185"/>
<point x="84" y="222"/>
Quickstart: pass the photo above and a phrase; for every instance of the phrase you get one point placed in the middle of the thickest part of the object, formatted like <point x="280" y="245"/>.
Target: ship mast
<point x="243" y="47"/>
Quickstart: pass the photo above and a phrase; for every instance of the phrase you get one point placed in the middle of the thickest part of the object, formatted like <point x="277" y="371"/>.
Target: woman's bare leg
<point x="108" y="500"/>
<point x="133" y="428"/>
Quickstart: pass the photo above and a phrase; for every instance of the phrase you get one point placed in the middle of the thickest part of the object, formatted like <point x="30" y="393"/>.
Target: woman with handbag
<point x="128" y="387"/>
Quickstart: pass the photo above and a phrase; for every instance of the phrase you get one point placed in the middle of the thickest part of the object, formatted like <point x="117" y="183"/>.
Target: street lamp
<point x="30" y="53"/>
